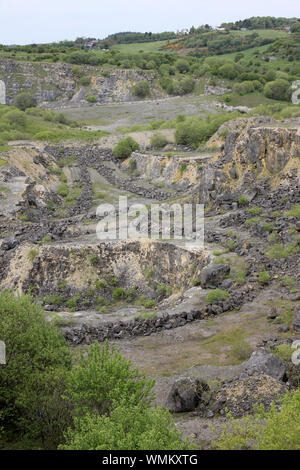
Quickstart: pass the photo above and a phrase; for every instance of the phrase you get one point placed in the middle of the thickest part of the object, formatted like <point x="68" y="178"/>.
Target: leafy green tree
<point x="103" y="378"/>
<point x="182" y="65"/>
<point x="129" y="427"/>
<point x="24" y="100"/>
<point x="37" y="357"/>
<point x="277" y="89"/>
<point x="295" y="27"/>
<point x="16" y="118"/>
<point x="141" y="89"/>
<point x="125" y="147"/>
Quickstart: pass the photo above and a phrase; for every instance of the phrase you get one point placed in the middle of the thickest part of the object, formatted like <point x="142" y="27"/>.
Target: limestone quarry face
<point x="80" y="266"/>
<point x="2" y="92"/>
<point x="249" y="157"/>
<point x="56" y="84"/>
<point x="182" y="172"/>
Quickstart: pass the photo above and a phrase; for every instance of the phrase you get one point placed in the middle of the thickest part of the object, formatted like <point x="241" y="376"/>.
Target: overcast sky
<point x="37" y="21"/>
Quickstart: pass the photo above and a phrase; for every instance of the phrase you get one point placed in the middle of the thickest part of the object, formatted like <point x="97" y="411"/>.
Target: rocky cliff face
<point x="56" y="83"/>
<point x="252" y="160"/>
<point x="79" y="266"/>
<point x="181" y="172"/>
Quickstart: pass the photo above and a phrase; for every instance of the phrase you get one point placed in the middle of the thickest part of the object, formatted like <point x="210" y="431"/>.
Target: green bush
<point x="84" y="81"/>
<point x="63" y="190"/>
<point x="141" y="89"/>
<point x="158" y="141"/>
<point x="16" y="118"/>
<point x="264" y="277"/>
<point x="37" y="359"/>
<point x="294" y="212"/>
<point x="91" y="99"/>
<point x="272" y="430"/>
<point x="125" y="147"/>
<point x="129" y="427"/>
<point x="216" y="295"/>
<point x="102" y="378"/>
<point x="118" y="293"/>
<point x="182" y="65"/>
<point x="278" y="90"/>
<point x="243" y="201"/>
<point x="24" y="100"/>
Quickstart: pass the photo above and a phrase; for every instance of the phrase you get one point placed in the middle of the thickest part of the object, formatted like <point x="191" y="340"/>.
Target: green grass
<point x="135" y="48"/>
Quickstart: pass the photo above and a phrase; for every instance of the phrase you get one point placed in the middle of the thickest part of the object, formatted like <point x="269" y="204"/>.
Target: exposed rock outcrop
<point x="185" y="394"/>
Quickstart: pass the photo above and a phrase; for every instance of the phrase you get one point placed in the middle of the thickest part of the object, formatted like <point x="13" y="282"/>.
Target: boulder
<point x="213" y="274"/>
<point x="239" y="396"/>
<point x="185" y="394"/>
<point x="9" y="243"/>
<point x="263" y="362"/>
<point x="296" y="323"/>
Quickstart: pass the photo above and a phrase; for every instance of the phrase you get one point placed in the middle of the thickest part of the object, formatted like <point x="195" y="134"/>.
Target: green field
<point x="264" y="33"/>
<point x="140" y="46"/>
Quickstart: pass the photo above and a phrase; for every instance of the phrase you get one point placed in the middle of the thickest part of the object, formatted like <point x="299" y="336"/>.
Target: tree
<point x="103" y="378"/>
<point x="182" y="66"/>
<point x="141" y="89"/>
<point x="129" y="427"/>
<point x="125" y="147"/>
<point x="37" y="358"/>
<point x="24" y="100"/>
<point x="295" y="27"/>
<point x="277" y="89"/>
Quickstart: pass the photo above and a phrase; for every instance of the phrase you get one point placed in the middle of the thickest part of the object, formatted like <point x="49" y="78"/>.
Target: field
<point x="154" y="46"/>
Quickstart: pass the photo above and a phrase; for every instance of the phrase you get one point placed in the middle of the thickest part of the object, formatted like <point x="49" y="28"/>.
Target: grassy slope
<point x="140" y="46"/>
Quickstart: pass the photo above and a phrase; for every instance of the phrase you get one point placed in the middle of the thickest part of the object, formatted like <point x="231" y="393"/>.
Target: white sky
<point x="37" y="21"/>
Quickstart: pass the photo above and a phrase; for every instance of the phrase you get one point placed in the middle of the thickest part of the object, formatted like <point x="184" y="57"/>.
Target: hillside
<point x="150" y="240"/>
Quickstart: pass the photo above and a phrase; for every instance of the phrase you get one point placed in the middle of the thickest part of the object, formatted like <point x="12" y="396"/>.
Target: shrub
<point x="91" y="99"/>
<point x="125" y="147"/>
<point x="272" y="430"/>
<point x="129" y="427"/>
<point x="149" y="303"/>
<point x="278" y="90"/>
<point x="93" y="259"/>
<point x="24" y="100"/>
<point x="118" y="293"/>
<point x="182" y="65"/>
<point x="264" y="277"/>
<point x="37" y="358"/>
<point x="141" y="89"/>
<point x="16" y="118"/>
<point x="32" y="254"/>
<point x="84" y="81"/>
<point x="158" y="141"/>
<point x="294" y="212"/>
<point x="255" y="210"/>
<point x="216" y="295"/>
<point x="241" y="349"/>
<point x="243" y="201"/>
<point x="63" y="190"/>
<point x="102" y="378"/>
